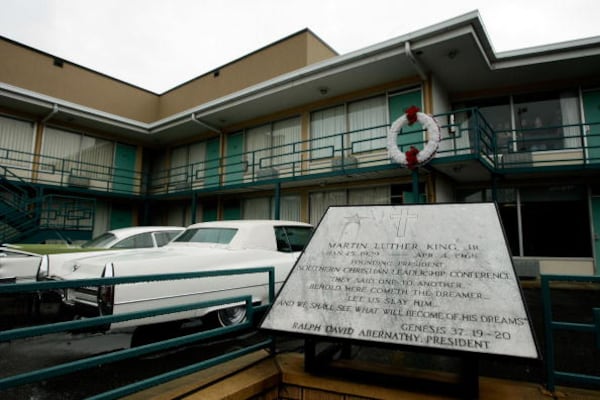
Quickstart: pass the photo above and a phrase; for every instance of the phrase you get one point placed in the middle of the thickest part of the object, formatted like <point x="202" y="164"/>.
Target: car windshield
<point x="101" y="241"/>
<point x="207" y="235"/>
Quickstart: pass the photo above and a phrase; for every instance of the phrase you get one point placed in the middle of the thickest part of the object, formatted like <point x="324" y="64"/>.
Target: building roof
<point x="456" y="53"/>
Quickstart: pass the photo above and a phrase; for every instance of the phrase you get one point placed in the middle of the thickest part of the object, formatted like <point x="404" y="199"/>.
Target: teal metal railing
<point x="52" y="171"/>
<point x="69" y="367"/>
<point x="38" y="217"/>
<point x="551" y="326"/>
<point x="466" y="135"/>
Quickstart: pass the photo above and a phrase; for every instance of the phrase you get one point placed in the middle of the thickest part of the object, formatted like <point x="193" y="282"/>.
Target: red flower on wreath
<point x="411" y="157"/>
<point x="411" y="114"/>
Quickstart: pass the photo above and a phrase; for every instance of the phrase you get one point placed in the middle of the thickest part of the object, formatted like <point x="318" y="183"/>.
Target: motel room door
<point x="125" y="159"/>
<point x="234" y="162"/>
<point x="591" y="108"/>
<point x="398" y="103"/>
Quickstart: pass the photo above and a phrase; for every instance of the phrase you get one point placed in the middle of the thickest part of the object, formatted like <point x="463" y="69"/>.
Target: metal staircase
<point x="27" y="217"/>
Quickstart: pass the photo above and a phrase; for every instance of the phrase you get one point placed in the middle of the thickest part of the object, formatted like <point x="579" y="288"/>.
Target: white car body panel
<point x="60" y="264"/>
<point x="253" y="246"/>
<point x="17" y="263"/>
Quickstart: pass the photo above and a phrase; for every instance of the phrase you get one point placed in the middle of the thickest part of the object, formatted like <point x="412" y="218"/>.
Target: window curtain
<point x="327" y="131"/>
<point x="60" y="150"/>
<point x="319" y="201"/>
<point x="376" y="195"/>
<point x="96" y="157"/>
<point x="570" y="116"/>
<point x="290" y="208"/>
<point x="256" y="208"/>
<point x="179" y="165"/>
<point x="367" y="121"/>
<point x="197" y="156"/>
<point x="18" y="136"/>
<point x="285" y="134"/>
<point x="258" y="141"/>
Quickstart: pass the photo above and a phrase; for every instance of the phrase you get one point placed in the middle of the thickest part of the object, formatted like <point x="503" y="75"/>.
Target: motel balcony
<point x="470" y="151"/>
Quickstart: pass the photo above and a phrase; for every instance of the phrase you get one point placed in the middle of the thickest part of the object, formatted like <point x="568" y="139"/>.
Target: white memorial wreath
<point x="413" y="157"/>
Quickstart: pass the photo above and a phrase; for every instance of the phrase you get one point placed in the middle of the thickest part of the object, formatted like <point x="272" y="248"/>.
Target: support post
<point x="415" y="185"/>
<point x="277" y="204"/>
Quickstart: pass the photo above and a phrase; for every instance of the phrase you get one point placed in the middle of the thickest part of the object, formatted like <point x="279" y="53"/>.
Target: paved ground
<point x="576" y="352"/>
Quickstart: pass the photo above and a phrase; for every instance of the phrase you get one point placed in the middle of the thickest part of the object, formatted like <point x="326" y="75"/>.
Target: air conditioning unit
<point x="78" y="181"/>
<point x="347" y="162"/>
<point x="267" y="173"/>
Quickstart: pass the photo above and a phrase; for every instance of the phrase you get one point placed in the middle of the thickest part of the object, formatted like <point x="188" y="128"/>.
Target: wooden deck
<point x="260" y="377"/>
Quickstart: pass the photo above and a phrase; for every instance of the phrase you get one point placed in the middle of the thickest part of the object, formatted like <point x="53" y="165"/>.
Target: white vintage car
<point x="218" y="245"/>
<point x="15" y="262"/>
<point x="121" y="239"/>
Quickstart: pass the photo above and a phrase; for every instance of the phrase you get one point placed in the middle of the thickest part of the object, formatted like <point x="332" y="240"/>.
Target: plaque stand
<point x="464" y="386"/>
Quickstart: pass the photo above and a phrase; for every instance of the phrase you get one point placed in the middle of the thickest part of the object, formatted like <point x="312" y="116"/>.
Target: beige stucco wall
<point x="287" y="55"/>
<point x="35" y="71"/>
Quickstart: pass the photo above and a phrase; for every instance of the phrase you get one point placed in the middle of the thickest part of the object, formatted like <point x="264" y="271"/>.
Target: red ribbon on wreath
<point x="411" y="154"/>
<point x="411" y="114"/>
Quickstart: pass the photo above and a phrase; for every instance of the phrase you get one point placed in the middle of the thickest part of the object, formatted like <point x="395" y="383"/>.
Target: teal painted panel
<point x="591" y="108"/>
<point x="120" y="217"/>
<point x="211" y="173"/>
<point x="398" y="104"/>
<point x="234" y="164"/>
<point x="124" y="171"/>
<point x="596" y="225"/>
<point x="209" y="214"/>
<point x="232" y="210"/>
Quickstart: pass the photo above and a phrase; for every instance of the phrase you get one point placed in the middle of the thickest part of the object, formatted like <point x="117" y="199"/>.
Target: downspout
<point x="51" y="114"/>
<point x="413" y="59"/>
<point x="38" y="141"/>
<point x="221" y="140"/>
<point x="204" y="124"/>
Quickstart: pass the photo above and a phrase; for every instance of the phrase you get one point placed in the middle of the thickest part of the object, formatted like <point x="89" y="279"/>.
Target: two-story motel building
<point x="294" y="127"/>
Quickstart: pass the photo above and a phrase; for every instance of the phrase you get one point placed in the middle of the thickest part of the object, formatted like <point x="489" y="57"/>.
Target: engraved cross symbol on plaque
<point x="403" y="221"/>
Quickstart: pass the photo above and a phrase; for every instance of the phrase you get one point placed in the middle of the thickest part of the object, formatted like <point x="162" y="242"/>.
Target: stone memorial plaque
<point x="432" y="275"/>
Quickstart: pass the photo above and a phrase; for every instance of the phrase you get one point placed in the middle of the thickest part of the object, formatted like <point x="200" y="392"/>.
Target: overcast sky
<point x="158" y="44"/>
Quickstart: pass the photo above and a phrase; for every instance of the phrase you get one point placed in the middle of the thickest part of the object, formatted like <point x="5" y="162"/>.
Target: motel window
<point x="77" y="154"/>
<point x="542" y="121"/>
<point x="320" y="201"/>
<point x="551" y="221"/>
<point x="187" y="164"/>
<point x="327" y="129"/>
<point x="272" y="145"/>
<point x="531" y="122"/>
<point x="355" y="127"/>
<point x="264" y="208"/>
<point x="16" y="144"/>
<point x="367" y="123"/>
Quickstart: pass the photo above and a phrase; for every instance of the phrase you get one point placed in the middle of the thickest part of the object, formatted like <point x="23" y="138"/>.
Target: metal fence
<point x="551" y="326"/>
<point x="70" y="367"/>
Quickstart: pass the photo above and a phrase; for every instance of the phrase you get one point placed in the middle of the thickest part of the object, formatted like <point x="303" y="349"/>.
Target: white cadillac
<point x="219" y="245"/>
<point x="25" y="262"/>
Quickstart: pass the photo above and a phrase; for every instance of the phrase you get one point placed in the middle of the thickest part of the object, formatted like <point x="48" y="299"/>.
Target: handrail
<point x="465" y="133"/>
<point x="550" y="326"/>
<point x="51" y="212"/>
<point x="65" y="368"/>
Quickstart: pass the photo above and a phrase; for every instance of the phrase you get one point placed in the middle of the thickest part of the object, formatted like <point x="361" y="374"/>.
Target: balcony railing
<point x="465" y="135"/>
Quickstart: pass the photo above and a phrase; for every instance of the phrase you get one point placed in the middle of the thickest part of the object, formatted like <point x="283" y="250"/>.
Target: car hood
<point x="171" y="259"/>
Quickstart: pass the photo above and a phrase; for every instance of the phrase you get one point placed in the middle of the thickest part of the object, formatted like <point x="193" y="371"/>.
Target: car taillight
<point x="43" y="268"/>
<point x="106" y="293"/>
